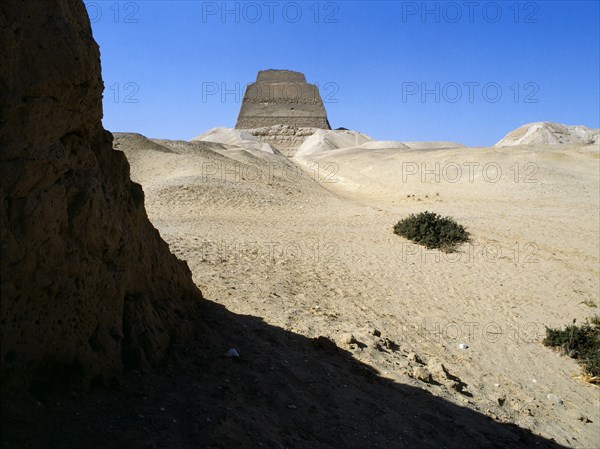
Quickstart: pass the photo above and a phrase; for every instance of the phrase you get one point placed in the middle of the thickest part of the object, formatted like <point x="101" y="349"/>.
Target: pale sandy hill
<point x="391" y="144"/>
<point x="549" y="133"/>
<point x="326" y="140"/>
<point x="309" y="248"/>
<point x="213" y="173"/>
<point x="381" y="144"/>
<point x="236" y="138"/>
<point x="138" y="142"/>
<point x="183" y="146"/>
<point x="225" y="135"/>
<point x="299" y="142"/>
<point x="432" y="145"/>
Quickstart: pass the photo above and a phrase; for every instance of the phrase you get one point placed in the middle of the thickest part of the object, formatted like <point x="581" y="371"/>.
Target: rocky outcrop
<point x="549" y="133"/>
<point x="87" y="284"/>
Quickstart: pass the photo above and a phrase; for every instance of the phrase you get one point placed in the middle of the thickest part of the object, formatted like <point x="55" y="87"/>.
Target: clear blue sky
<point x="462" y="71"/>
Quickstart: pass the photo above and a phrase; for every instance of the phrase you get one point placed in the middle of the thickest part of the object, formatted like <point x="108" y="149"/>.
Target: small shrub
<point x="432" y="230"/>
<point x="581" y="343"/>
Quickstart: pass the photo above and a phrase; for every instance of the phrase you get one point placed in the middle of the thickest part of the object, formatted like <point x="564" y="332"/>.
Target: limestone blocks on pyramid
<point x="282" y="97"/>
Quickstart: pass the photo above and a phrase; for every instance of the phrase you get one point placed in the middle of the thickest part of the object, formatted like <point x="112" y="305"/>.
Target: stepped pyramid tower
<point x="282" y="97"/>
<point x="282" y="109"/>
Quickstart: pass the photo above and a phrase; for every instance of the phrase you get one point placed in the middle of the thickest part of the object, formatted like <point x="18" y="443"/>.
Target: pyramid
<point x="282" y="97"/>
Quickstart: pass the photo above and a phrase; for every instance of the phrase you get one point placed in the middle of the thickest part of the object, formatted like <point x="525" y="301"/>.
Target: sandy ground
<point x="301" y="252"/>
<point x="308" y="246"/>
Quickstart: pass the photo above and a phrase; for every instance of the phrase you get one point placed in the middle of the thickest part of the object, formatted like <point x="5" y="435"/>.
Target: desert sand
<point x="307" y="245"/>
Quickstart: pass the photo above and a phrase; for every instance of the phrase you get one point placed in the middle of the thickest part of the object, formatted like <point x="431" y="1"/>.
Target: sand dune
<point x="433" y="145"/>
<point x="307" y="245"/>
<point x="325" y="140"/>
<point x="549" y="133"/>
<point x="237" y="138"/>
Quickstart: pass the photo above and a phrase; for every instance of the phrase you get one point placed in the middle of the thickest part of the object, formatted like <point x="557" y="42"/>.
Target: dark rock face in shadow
<point x="87" y="283"/>
<point x="285" y="390"/>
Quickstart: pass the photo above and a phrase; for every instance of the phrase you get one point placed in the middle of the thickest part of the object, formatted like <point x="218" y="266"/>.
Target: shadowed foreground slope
<point x="286" y="390"/>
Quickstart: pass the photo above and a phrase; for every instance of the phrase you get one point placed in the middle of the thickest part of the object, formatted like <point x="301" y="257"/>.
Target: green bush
<point x="579" y="342"/>
<point x="432" y="230"/>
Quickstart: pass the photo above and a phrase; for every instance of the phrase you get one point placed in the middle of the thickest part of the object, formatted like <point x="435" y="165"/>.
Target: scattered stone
<point x="463" y="346"/>
<point x="325" y="343"/>
<point x="414" y="357"/>
<point x="456" y="385"/>
<point x="292" y="407"/>
<point x="421" y="373"/>
<point x="348" y="339"/>
<point x="232" y="353"/>
<point x="555" y="399"/>
<point x="377" y="333"/>
<point x="441" y="374"/>
<point x="438" y="370"/>
<point x="388" y="344"/>
<point x="577" y="415"/>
